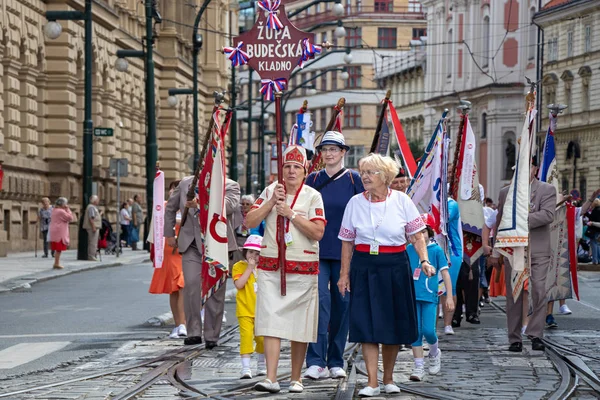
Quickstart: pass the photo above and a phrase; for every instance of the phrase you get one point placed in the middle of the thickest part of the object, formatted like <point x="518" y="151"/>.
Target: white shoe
<point x="523" y="329"/>
<point x="316" y="372"/>
<point x="448" y="330"/>
<point x="441" y="314"/>
<point x="391" y="388"/>
<point x="261" y="370"/>
<point x="267" y="386"/>
<point x="174" y="333"/>
<point x="337" y="372"/>
<point x="182" y="330"/>
<point x="368" y="391"/>
<point x="296" y="387"/>
<point x="417" y="374"/>
<point x="564" y="310"/>
<point x="435" y="363"/>
<point x="246" y="373"/>
<point x="224" y="319"/>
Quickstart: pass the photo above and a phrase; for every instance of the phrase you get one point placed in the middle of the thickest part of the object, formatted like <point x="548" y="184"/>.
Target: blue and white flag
<point x="548" y="169"/>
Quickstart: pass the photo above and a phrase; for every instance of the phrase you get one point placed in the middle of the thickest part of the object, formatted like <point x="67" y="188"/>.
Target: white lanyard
<point x="375" y="227"/>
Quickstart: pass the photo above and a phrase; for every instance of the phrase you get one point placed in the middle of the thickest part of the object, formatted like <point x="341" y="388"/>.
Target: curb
<point x="165" y="319"/>
<point x="23" y="284"/>
<point x="588" y="267"/>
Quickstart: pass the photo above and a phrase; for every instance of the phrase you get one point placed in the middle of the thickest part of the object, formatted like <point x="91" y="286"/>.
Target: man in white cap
<point x="337" y="185"/>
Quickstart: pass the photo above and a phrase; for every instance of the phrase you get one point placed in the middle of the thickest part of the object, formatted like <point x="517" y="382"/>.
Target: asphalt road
<point x="88" y="314"/>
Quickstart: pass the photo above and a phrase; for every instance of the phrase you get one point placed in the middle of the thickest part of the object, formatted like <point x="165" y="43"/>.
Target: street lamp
<point x="338" y="9"/>
<point x="344" y="75"/>
<point x="172" y="102"/>
<point x="348" y="57"/>
<point x="312" y="91"/>
<point x="121" y="64"/>
<point x="53" y="30"/>
<point x="340" y="31"/>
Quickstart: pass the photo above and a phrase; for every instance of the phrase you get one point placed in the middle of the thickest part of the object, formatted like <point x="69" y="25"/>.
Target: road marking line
<point x="589" y="305"/>
<point x="36" y="335"/>
<point x="23" y="353"/>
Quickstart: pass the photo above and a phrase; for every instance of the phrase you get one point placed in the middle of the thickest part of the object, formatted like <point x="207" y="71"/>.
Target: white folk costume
<point x="294" y="316"/>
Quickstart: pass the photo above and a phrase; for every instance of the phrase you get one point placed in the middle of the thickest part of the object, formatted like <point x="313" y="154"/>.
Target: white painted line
<point x="23" y="353"/>
<point x="44" y="335"/>
<point x="589" y="305"/>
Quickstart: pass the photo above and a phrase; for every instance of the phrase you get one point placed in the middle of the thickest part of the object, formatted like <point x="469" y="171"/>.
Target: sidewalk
<point x="18" y="271"/>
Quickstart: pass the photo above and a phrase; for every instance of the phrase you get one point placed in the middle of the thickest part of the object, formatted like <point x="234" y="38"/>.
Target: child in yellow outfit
<point x="244" y="279"/>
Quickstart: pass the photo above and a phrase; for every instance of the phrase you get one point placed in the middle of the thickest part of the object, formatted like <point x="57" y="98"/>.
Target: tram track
<point x="574" y="372"/>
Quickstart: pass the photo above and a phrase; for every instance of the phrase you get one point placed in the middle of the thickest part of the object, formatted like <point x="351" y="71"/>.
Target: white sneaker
<point x="435" y="363"/>
<point x="316" y="372"/>
<point x="564" y="310"/>
<point x="523" y="329"/>
<point x="267" y="386"/>
<point x="296" y="387"/>
<point x="448" y="330"/>
<point x="224" y="319"/>
<point x="417" y="374"/>
<point x="441" y="314"/>
<point x="261" y="370"/>
<point x="246" y="373"/>
<point x="182" y="330"/>
<point x="391" y="388"/>
<point x="337" y="372"/>
<point x="174" y="333"/>
<point x="368" y="391"/>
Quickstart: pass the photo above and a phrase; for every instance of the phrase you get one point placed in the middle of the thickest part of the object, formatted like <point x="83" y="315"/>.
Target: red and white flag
<point x="407" y="156"/>
<point x="213" y="215"/>
<point x="158" y="218"/>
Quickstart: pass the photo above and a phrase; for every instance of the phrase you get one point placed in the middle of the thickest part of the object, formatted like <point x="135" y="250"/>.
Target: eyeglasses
<point x="332" y="150"/>
<point x="369" y="173"/>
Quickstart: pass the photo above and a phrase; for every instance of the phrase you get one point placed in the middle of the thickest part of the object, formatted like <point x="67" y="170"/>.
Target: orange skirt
<point x="497" y="286"/>
<point x="169" y="278"/>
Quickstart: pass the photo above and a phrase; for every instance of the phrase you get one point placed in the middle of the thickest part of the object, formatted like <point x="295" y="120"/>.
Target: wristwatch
<point x="293" y="216"/>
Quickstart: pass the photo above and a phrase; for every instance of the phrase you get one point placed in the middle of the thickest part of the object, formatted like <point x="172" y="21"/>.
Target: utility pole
<point x="249" y="141"/>
<point x="233" y="169"/>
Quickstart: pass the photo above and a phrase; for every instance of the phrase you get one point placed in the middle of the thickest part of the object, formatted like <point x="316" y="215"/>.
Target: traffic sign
<point x="103" y="132"/>
<point x="119" y="167"/>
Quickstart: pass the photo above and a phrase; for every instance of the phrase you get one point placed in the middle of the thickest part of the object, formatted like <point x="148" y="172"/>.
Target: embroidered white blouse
<point x="386" y="222"/>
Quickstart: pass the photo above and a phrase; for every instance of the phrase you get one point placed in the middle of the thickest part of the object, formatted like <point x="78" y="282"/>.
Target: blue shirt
<point x="454" y="234"/>
<point x="426" y="289"/>
<point x="336" y="196"/>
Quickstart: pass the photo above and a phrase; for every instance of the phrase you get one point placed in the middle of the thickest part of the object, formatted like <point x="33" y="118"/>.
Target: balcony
<point x="318" y="15"/>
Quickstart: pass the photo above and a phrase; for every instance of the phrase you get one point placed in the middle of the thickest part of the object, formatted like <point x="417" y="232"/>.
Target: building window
<point x="588" y="38"/>
<point x="583" y="187"/>
<point x="384" y="5"/>
<point x="348" y="7"/>
<point x="352" y="116"/>
<point x="333" y="80"/>
<point x="353" y="155"/>
<point x="324" y="37"/>
<point x="323" y="120"/>
<point x="414" y="6"/>
<point x="354" y="81"/>
<point x="532" y="36"/>
<point x="450" y="63"/>
<point x="484" y="126"/>
<point x="565" y="184"/>
<point x="313" y="79"/>
<point x="570" y="43"/>
<point x="553" y="49"/>
<point x="386" y="38"/>
<point x="418" y="32"/>
<point x="324" y="82"/>
<point x="353" y="37"/>
<point x="585" y="73"/>
<point x="485" y="54"/>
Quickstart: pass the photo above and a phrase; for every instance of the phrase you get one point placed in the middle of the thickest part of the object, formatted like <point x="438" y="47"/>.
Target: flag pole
<point x="377" y="135"/>
<point x="280" y="218"/>
<point x="464" y="107"/>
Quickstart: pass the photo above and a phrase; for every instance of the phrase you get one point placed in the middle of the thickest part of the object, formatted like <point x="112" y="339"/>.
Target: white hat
<point x="253" y="242"/>
<point x="295" y="155"/>
<point x="333" y="138"/>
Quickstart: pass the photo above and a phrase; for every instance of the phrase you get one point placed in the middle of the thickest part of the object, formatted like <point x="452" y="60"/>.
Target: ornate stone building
<point x="41" y="102"/>
<point x="570" y="76"/>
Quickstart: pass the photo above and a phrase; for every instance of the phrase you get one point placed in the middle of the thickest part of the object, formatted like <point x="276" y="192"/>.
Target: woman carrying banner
<point x="376" y="271"/>
<point x="169" y="278"/>
<point x="294" y="316"/>
<point x="337" y="186"/>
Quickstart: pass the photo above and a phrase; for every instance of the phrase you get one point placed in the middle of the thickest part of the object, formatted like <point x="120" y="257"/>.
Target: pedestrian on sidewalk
<point x="337" y="186"/>
<point x="294" y="316"/>
<point x="189" y="244"/>
<point x="44" y="218"/>
<point x="92" y="222"/>
<point x="244" y="278"/>
<point x="376" y="272"/>
<point x="137" y="218"/>
<point x="125" y="221"/>
<point x="59" y="229"/>
<point x="169" y="278"/>
<point x="426" y="294"/>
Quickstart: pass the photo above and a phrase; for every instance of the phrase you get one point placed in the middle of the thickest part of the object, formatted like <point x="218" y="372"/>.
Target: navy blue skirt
<point x="382" y="299"/>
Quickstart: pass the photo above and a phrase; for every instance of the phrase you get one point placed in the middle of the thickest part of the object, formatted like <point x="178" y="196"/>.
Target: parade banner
<point x="407" y="156"/>
<point x="428" y="188"/>
<point x="213" y="214"/>
<point x="548" y="169"/>
<point x="158" y="218"/>
<point x="558" y="280"/>
<point x="572" y="238"/>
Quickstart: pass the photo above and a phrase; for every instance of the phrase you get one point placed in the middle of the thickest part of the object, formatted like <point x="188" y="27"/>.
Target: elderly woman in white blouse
<point x="376" y="271"/>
